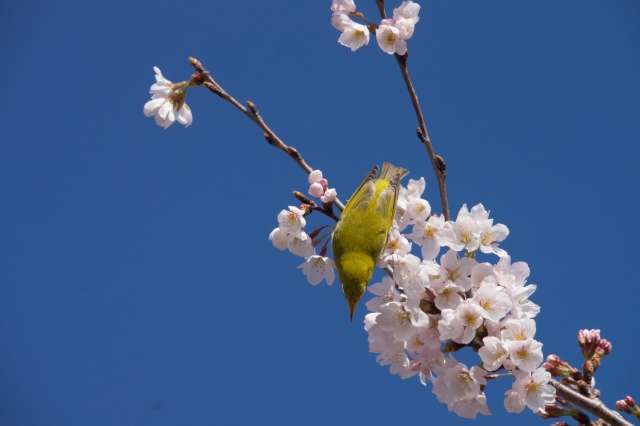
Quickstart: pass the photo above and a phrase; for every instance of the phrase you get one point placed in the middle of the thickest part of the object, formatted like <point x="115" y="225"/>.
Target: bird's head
<point x="355" y="270"/>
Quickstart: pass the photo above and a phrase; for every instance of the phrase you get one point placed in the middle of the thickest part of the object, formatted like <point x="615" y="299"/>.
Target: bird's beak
<point x="352" y="308"/>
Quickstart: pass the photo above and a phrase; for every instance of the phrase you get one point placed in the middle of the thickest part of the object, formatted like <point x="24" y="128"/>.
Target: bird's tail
<point x="392" y="173"/>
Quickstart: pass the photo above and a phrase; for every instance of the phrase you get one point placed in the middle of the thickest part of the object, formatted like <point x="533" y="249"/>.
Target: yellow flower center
<point x="465" y="237"/>
<point x="429" y="232"/>
<point x="390" y="37"/>
<point x="454" y="274"/>
<point x="486" y="304"/>
<point x="470" y="318"/>
<point x="522" y="353"/>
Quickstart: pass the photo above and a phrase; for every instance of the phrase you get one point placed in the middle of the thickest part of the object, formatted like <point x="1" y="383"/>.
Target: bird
<point x="361" y="233"/>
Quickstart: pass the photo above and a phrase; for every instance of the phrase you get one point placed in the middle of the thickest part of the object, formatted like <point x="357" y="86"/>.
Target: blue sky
<point x="139" y="287"/>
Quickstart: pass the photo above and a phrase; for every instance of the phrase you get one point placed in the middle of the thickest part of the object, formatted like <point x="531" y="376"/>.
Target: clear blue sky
<point x="138" y="286"/>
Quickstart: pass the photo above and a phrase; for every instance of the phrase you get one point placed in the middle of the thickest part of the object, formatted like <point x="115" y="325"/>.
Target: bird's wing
<point x="363" y="194"/>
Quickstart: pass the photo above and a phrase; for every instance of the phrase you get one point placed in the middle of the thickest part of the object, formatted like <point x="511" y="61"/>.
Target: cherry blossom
<point x="317" y="268"/>
<point x="167" y="103"/>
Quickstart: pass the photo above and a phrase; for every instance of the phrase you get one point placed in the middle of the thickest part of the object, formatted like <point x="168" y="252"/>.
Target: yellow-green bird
<point x="361" y="232"/>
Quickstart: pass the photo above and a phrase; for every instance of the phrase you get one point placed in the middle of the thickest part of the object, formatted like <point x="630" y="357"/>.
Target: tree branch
<point x="594" y="406"/>
<point x="203" y="77"/>
<point x="437" y="162"/>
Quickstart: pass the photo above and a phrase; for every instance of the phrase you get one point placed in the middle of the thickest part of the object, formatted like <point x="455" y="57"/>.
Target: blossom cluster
<point x="446" y="298"/>
<point x="391" y="33"/>
<point x="290" y="234"/>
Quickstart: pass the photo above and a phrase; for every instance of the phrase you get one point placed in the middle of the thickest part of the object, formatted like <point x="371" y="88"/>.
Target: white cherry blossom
<point x="427" y="235"/>
<point x="492" y="353"/>
<point x="456" y="270"/>
<point x="354" y="35"/>
<point x="449" y="296"/>
<point x="530" y="389"/>
<point x="491" y="236"/>
<point x="301" y="245"/>
<point x="463" y="233"/>
<point x="343" y="6"/>
<point x="519" y="329"/>
<point x="167" y="104"/>
<point x="526" y="354"/>
<point x="493" y="300"/>
<point x="417" y="210"/>
<point x="292" y="220"/>
<point x="317" y="268"/>
<point x="406" y="17"/>
<point x="400" y="320"/>
<point x="385" y="292"/>
<point x="390" y="38"/>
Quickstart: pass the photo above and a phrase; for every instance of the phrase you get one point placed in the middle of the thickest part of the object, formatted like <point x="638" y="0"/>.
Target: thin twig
<point x="203" y="77"/>
<point x="438" y="163"/>
<point x="594" y="406"/>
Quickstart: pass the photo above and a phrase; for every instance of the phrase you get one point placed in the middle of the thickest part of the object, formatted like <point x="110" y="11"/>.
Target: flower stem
<point x="594" y="406"/>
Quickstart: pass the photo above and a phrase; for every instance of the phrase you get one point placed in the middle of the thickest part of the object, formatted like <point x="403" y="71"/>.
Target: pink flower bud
<point x="630" y="401"/>
<point x="621" y="405"/>
<point x="316" y="190"/>
<point x="315" y="176"/>
<point x="329" y="196"/>
<point x="605" y="346"/>
<point x="324" y="182"/>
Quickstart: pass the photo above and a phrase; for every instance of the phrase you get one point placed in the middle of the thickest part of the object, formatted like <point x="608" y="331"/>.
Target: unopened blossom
<point x="317" y="268"/>
<point x="427" y="235"/>
<point x="343" y="6"/>
<point x="317" y="183"/>
<point x="530" y="389"/>
<point x="493" y="300"/>
<point x="167" y="103"/>
<point x="329" y="196"/>
<point x="526" y="354"/>
<point x="405" y="18"/>
<point x="316" y="190"/>
<point x="390" y="39"/>
<point x="315" y="176"/>
<point x="319" y="187"/>
<point x="493" y="353"/>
